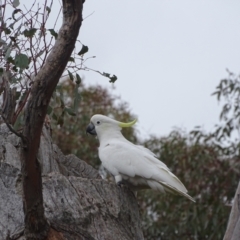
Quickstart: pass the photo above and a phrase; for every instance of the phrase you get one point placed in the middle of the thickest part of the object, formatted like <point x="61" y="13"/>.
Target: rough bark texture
<point x="233" y="228"/>
<point x="78" y="204"/>
<point x="36" y="226"/>
<point x="9" y="102"/>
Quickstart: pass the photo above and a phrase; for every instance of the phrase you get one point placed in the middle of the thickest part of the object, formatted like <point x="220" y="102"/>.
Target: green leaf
<point x="13" y="15"/>
<point x="14" y="68"/>
<point x="40" y="53"/>
<point x="113" y="79"/>
<point x="71" y="59"/>
<point x="106" y="74"/>
<point x="7" y="30"/>
<point x="18" y="94"/>
<point x="18" y="122"/>
<point x="10" y="60"/>
<point x="54" y="116"/>
<point x="48" y="9"/>
<point x="77" y="99"/>
<point x="53" y="33"/>
<point x="8" y="52"/>
<point x="16" y="3"/>
<point x="83" y="50"/>
<point x="11" y="25"/>
<point x="21" y="61"/>
<point x="62" y="102"/>
<point x="214" y="93"/>
<point x="70" y="75"/>
<point x="78" y="79"/>
<point x="14" y="39"/>
<point x="29" y="33"/>
<point x="70" y="111"/>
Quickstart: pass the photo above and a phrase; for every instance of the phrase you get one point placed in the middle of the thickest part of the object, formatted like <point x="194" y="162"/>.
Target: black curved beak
<point x="91" y="129"/>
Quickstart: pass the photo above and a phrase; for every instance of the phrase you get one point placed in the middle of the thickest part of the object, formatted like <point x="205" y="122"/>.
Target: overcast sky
<point x="168" y="55"/>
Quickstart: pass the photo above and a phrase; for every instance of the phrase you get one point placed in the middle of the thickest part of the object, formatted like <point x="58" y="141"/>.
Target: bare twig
<point x="12" y="129"/>
<point x="89" y="15"/>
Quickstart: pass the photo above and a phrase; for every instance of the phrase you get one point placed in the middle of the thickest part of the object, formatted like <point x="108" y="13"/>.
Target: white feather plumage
<point x="133" y="163"/>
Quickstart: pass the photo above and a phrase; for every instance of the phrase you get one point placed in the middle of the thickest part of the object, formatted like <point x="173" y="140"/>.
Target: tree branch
<point x="12" y="129"/>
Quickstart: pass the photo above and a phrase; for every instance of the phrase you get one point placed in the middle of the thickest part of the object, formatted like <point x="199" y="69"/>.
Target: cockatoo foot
<point x="121" y="184"/>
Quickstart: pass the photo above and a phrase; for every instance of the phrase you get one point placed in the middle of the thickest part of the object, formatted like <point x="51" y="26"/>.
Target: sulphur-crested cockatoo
<point x="129" y="163"/>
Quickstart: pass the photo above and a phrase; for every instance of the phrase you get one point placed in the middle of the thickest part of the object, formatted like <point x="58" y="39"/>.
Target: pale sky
<point x="168" y="55"/>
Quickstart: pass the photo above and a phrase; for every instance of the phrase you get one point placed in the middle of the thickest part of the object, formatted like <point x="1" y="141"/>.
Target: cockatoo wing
<point x="147" y="151"/>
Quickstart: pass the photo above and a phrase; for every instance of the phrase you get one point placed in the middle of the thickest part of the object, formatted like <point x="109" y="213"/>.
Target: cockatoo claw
<point x="121" y="184"/>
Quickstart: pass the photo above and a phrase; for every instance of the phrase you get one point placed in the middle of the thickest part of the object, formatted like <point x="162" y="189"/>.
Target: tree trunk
<point x="233" y="228"/>
<point x="36" y="226"/>
<point x="78" y="204"/>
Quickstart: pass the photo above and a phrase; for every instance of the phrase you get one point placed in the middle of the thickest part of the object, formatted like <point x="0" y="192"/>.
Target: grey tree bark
<point x="233" y="228"/>
<point x="78" y="204"/>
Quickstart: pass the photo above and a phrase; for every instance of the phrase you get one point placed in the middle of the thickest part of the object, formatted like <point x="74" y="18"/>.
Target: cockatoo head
<point x="100" y="124"/>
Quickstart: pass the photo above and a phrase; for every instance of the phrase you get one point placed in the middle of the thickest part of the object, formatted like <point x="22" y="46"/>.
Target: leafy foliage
<point x="23" y="37"/>
<point x="210" y="179"/>
<point x="208" y="164"/>
<point x="26" y="40"/>
<point x="228" y="90"/>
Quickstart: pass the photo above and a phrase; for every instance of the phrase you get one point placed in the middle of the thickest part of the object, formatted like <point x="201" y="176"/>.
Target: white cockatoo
<point x="129" y="163"/>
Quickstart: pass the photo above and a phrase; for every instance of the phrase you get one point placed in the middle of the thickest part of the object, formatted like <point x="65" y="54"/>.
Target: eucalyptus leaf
<point x="29" y="33"/>
<point x="83" y="50"/>
<point x="48" y="9"/>
<point x="8" y="52"/>
<point x="53" y="33"/>
<point x="21" y="61"/>
<point x="70" y="75"/>
<point x="77" y="99"/>
<point x="7" y="31"/>
<point x="71" y="59"/>
<point x="78" y="79"/>
<point x="14" y="13"/>
<point x="70" y="111"/>
<point x="40" y="53"/>
<point x="49" y="110"/>
<point x="15" y="3"/>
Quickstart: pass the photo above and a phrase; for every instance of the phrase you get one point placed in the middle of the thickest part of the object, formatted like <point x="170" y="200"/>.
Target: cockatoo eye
<point x="98" y="122"/>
